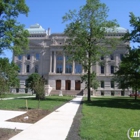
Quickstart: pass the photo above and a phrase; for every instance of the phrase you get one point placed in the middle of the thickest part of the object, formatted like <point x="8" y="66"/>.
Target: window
<point x="78" y="68"/>
<point x="19" y="66"/>
<point x="121" y="56"/>
<point x="28" y="56"/>
<point x="102" y="57"/>
<point x="102" y="69"/>
<point x="112" y="93"/>
<point x="36" y="68"/>
<point x="37" y="56"/>
<point x="102" y="84"/>
<point x="111" y="57"/>
<point x="102" y="93"/>
<point x="68" y="68"/>
<point x="19" y="57"/>
<point x="27" y="68"/>
<point x="59" y="68"/>
<point x="112" y="69"/>
<point x="59" y="57"/>
<point x="112" y="84"/>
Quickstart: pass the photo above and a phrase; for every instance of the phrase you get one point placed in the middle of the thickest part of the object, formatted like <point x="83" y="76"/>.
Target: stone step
<point x="67" y="92"/>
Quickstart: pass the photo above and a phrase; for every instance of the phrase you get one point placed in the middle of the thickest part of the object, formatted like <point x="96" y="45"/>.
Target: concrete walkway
<point x="6" y="115"/>
<point x="54" y="126"/>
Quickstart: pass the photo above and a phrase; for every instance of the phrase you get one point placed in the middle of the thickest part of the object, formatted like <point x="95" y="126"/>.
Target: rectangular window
<point x="112" y="84"/>
<point x="111" y="57"/>
<point x="68" y="68"/>
<point x="36" y="68"/>
<point x="112" y="69"/>
<point x="102" y="93"/>
<point x="37" y="56"/>
<point x="78" y="68"/>
<point x="102" y="84"/>
<point x="121" y="56"/>
<point x="59" y="68"/>
<point x="19" y="66"/>
<point x="102" y="57"/>
<point x="19" y="57"/>
<point x="102" y="69"/>
<point x="59" y="57"/>
<point x="112" y="93"/>
<point x="27" y="68"/>
<point x="28" y="56"/>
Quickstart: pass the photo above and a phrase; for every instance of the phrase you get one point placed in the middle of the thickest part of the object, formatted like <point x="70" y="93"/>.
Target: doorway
<point x="58" y="84"/>
<point x="77" y="85"/>
<point x="68" y="84"/>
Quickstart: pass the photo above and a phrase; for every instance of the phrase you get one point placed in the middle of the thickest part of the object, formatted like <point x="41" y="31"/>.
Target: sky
<point x="49" y="13"/>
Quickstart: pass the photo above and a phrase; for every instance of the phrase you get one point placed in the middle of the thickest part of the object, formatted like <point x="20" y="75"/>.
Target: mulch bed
<point x="31" y="116"/>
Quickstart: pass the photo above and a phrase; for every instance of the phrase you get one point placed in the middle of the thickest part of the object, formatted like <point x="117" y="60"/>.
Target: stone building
<point x="46" y="57"/>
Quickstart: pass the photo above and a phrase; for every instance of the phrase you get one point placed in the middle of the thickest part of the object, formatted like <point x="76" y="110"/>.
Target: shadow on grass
<point x="57" y="99"/>
<point x="124" y="103"/>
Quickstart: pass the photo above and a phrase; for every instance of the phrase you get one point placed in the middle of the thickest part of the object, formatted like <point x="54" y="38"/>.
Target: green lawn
<point x="9" y="95"/>
<point x="109" y="118"/>
<point x="50" y="103"/>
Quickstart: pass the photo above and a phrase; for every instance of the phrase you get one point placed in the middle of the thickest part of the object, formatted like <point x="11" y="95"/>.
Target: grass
<point x="50" y="103"/>
<point x="9" y="95"/>
<point x="109" y="118"/>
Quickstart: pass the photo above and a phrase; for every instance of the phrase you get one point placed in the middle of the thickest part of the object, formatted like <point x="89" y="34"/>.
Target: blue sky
<point x="48" y="13"/>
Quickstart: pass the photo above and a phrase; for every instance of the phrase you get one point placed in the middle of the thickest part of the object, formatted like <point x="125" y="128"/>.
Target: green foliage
<point x="129" y="70"/>
<point x="134" y="35"/>
<point x="32" y="80"/>
<point x="39" y="89"/>
<point x="128" y="73"/>
<point x="86" y="30"/>
<point x="36" y="83"/>
<point x="12" y="33"/>
<point x="8" y="75"/>
<point x="94" y="81"/>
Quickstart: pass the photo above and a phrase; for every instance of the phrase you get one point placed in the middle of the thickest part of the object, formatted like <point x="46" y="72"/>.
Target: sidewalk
<point x="54" y="126"/>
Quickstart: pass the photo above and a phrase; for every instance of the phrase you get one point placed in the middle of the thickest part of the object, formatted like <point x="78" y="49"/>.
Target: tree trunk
<point x="135" y="94"/>
<point x="88" y="97"/>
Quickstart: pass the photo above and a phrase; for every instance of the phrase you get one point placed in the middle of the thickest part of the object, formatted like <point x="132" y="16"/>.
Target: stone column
<point x="97" y="72"/>
<point x="23" y="65"/>
<point x="54" y="67"/>
<point x="83" y="70"/>
<point x="73" y="67"/>
<point x="31" y="64"/>
<point x="64" y="63"/>
<point x="107" y="68"/>
<point x="72" y="84"/>
<point x="50" y="61"/>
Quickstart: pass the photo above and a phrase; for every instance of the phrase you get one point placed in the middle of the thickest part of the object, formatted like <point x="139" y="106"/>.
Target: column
<point x="64" y="63"/>
<point x="23" y="65"/>
<point x="83" y="70"/>
<point x="50" y="61"/>
<point x="31" y="64"/>
<point x="54" y="67"/>
<point x="73" y="67"/>
<point x="72" y="84"/>
<point x="97" y="68"/>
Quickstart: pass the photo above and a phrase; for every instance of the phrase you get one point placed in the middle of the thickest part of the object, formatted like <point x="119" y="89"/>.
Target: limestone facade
<point x="46" y="57"/>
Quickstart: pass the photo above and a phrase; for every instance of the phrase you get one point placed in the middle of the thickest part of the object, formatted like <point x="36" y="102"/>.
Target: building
<point x="46" y="57"/>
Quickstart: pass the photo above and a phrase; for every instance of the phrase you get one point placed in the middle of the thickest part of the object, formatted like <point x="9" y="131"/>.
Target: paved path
<point x="6" y="115"/>
<point x="20" y="97"/>
<point x="54" y="126"/>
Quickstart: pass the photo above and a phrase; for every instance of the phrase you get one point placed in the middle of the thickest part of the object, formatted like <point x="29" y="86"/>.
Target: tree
<point x="128" y="73"/>
<point x="32" y="80"/>
<point x="36" y="83"/>
<point x="8" y="75"/>
<point x="12" y="33"/>
<point x="86" y="30"/>
<point x="129" y="69"/>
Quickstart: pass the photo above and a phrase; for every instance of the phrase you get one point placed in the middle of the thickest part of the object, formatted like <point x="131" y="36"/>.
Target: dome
<point x="36" y="29"/>
<point x="116" y="30"/>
